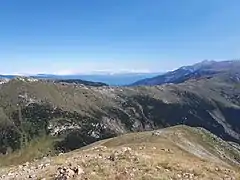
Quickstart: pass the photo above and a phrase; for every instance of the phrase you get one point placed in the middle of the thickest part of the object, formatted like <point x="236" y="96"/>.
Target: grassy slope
<point x="177" y="151"/>
<point x="120" y="110"/>
<point x="36" y="149"/>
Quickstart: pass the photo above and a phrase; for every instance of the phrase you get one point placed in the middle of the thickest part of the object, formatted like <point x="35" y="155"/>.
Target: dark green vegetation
<point x="76" y="115"/>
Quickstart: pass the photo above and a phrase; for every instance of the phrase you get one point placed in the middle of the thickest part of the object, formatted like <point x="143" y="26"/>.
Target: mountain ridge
<point x="171" y="153"/>
<point x="114" y="79"/>
<point x="198" y="70"/>
<point x="76" y="115"/>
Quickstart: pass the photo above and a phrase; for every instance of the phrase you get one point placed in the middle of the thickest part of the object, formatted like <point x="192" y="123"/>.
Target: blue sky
<point x="82" y="36"/>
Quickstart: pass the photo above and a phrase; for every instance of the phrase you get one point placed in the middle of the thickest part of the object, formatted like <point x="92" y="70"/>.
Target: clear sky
<point x="79" y="36"/>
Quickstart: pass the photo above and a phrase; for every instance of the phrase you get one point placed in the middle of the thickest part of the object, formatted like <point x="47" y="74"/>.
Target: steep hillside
<point x="174" y="153"/>
<point x="76" y="115"/>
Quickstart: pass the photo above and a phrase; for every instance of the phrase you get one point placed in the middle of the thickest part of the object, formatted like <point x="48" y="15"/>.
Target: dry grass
<point x="34" y="150"/>
<point x="150" y="157"/>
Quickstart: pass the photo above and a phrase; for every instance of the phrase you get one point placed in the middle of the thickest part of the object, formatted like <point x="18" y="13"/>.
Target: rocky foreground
<point x="178" y="153"/>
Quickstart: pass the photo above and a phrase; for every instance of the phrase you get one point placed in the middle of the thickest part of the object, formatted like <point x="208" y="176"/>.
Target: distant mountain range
<point x="196" y="71"/>
<point x="79" y="81"/>
<point x="7" y="76"/>
<point x="204" y="95"/>
<point x="110" y="79"/>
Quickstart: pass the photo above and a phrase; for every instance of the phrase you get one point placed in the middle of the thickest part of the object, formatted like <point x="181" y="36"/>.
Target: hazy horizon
<point x="83" y="37"/>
